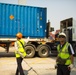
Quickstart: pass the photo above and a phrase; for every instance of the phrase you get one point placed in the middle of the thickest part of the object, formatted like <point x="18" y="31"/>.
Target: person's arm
<point x="57" y="55"/>
<point x="56" y="65"/>
<point x="72" y="59"/>
<point x="72" y="62"/>
<point x="71" y="52"/>
<point x="56" y="58"/>
<point x="16" y="47"/>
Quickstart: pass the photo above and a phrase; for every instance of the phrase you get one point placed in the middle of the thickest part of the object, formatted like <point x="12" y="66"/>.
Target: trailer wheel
<point x="30" y="51"/>
<point x="43" y="51"/>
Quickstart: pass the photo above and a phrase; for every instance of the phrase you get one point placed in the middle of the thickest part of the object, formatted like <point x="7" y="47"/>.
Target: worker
<point x="20" y="53"/>
<point x="65" y="59"/>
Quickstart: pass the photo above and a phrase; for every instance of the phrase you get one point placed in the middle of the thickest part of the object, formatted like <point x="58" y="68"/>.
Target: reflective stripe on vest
<point x="63" y="53"/>
<point x="20" y="48"/>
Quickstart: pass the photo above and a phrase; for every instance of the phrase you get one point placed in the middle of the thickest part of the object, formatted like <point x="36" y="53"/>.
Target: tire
<point x="30" y="51"/>
<point x="43" y="51"/>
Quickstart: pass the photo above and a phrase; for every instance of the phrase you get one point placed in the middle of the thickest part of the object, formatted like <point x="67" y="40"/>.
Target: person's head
<point x="19" y="35"/>
<point x="62" y="37"/>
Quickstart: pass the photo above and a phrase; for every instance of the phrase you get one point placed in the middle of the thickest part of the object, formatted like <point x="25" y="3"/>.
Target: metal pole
<point x="66" y="30"/>
<point x="61" y="27"/>
<point x="30" y="67"/>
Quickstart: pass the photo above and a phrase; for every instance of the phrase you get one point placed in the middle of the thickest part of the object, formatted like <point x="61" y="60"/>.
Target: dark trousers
<point x="19" y="66"/>
<point x="63" y="70"/>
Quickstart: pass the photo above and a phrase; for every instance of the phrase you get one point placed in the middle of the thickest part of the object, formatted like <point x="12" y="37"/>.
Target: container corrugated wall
<point x="30" y="21"/>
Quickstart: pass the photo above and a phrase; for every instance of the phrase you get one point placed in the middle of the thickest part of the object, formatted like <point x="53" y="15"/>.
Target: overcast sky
<point x="57" y="10"/>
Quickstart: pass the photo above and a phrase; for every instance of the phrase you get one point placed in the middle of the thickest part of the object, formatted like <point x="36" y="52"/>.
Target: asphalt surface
<point x="31" y="66"/>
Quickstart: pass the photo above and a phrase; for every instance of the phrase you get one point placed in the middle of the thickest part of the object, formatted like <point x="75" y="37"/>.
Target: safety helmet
<point x="19" y="35"/>
<point x="62" y="34"/>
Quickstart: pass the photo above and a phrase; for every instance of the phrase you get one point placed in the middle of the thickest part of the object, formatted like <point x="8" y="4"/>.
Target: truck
<point x="32" y="22"/>
<point x="68" y="26"/>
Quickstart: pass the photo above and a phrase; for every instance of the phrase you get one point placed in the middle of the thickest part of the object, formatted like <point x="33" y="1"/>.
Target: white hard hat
<point x="63" y="34"/>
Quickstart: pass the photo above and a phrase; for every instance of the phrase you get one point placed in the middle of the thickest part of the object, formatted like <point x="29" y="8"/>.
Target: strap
<point x="22" y="44"/>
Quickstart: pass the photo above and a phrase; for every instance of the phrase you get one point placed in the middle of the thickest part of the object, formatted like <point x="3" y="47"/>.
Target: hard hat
<point x="19" y="35"/>
<point x="62" y="34"/>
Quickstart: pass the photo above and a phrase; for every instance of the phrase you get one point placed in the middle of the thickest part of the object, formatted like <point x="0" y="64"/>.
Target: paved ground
<point x="42" y="66"/>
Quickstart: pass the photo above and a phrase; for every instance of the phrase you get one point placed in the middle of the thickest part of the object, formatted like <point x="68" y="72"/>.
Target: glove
<point x="16" y="51"/>
<point x="21" y="55"/>
<point x="71" y="66"/>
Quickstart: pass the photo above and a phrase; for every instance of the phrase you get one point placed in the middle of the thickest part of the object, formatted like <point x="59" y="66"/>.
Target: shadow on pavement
<point x="26" y="71"/>
<point x="4" y="54"/>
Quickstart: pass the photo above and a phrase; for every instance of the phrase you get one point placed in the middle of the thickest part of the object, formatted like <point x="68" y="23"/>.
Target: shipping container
<point x="29" y="20"/>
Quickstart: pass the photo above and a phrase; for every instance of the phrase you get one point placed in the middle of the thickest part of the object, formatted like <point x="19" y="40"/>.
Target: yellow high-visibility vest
<point x="64" y="54"/>
<point x="20" y="48"/>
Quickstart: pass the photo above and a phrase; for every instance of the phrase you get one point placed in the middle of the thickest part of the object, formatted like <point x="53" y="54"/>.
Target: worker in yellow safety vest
<point x="19" y="53"/>
<point x="65" y="59"/>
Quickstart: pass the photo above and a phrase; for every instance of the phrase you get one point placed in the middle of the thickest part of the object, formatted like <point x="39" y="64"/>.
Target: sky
<point x="57" y="10"/>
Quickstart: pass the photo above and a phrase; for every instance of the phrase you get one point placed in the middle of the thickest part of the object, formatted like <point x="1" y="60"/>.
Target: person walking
<point x="65" y="59"/>
<point x="19" y="53"/>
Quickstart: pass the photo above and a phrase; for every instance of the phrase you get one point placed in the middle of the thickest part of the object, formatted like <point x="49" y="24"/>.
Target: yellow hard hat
<point x="19" y="35"/>
<point x="63" y="34"/>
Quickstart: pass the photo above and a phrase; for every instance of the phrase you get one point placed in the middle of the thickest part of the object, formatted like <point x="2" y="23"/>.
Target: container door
<point x="41" y="22"/>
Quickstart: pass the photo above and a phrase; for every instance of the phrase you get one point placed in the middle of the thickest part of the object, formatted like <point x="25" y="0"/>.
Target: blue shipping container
<point x="29" y="20"/>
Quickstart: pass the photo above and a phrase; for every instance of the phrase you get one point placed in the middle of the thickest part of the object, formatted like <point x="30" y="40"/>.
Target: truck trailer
<point x="68" y="26"/>
<point x="31" y="21"/>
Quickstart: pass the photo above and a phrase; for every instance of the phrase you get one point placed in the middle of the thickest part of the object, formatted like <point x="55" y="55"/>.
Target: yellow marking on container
<point x="11" y="17"/>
